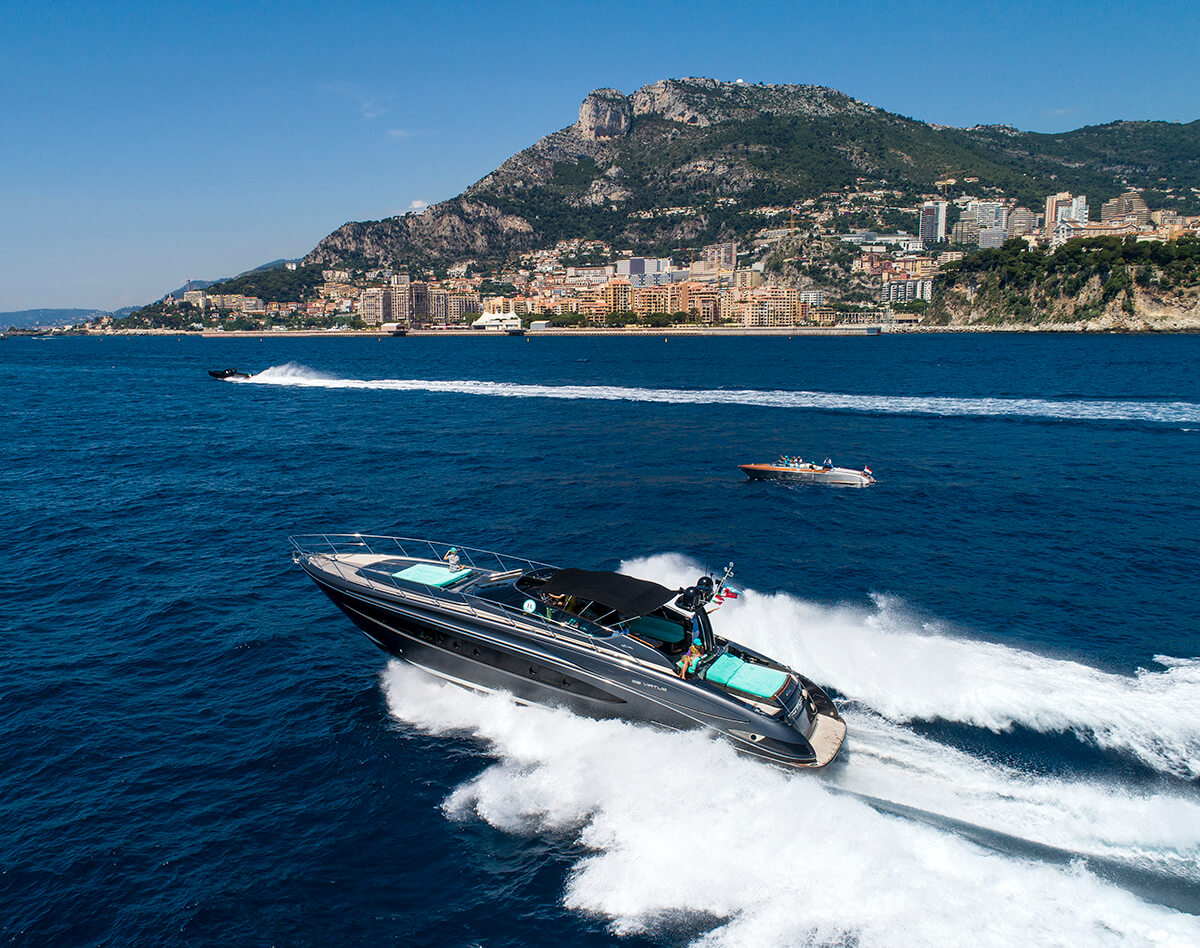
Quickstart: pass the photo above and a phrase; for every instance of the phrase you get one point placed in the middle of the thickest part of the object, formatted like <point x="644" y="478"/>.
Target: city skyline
<point x="154" y="146"/>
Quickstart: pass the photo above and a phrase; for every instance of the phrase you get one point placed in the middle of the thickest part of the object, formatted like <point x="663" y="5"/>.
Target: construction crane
<point x="947" y="180"/>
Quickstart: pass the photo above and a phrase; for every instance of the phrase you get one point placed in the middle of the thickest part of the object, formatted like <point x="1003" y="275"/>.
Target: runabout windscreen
<point x="625" y="594"/>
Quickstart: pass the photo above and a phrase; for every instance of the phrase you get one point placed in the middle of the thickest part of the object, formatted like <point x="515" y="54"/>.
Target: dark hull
<point x="596" y="682"/>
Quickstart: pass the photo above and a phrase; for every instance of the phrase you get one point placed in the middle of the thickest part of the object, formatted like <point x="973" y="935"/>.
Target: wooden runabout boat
<point x="792" y="470"/>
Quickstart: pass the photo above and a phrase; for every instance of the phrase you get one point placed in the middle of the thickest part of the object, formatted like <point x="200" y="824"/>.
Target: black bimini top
<point x="629" y="596"/>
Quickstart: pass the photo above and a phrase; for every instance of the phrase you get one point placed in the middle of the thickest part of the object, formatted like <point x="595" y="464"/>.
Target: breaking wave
<point x="1173" y="412"/>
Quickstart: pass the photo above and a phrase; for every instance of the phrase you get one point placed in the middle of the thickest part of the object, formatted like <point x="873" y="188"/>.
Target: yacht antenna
<point x="725" y="578"/>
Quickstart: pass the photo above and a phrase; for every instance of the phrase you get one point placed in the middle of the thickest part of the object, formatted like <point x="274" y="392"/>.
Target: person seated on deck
<point x="564" y="602"/>
<point x="694" y="653"/>
<point x="452" y="560"/>
<point x="828" y="464"/>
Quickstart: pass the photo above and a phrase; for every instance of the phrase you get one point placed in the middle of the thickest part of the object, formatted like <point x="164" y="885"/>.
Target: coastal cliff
<point x="1142" y="311"/>
<point x="1102" y="284"/>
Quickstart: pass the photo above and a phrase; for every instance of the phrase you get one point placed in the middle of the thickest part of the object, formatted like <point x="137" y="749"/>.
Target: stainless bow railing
<point x="330" y="547"/>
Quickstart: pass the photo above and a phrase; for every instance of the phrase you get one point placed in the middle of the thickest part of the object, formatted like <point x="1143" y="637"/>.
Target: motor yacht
<point x="600" y="643"/>
<point x="792" y="470"/>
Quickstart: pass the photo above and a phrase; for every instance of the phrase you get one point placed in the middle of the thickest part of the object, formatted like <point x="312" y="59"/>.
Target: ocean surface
<point x="196" y="748"/>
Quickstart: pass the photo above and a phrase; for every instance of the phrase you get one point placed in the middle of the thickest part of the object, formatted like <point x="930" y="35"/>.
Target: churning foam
<point x="906" y="670"/>
<point x="1065" y="409"/>
<point x="1155" y="833"/>
<point x="678" y="827"/>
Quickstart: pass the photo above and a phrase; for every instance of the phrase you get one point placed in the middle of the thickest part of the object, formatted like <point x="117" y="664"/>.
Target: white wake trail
<point x="1154" y="832"/>
<point x="1174" y="412"/>
<point x="679" y="825"/>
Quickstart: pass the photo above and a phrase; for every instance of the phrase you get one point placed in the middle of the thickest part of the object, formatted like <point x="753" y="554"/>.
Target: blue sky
<point x="143" y="144"/>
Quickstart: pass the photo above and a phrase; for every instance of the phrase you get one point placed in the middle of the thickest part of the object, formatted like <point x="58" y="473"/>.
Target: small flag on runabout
<point x="729" y="593"/>
<point x="867" y="470"/>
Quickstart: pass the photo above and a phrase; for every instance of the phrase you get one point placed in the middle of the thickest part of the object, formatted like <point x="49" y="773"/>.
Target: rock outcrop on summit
<point x="605" y="113"/>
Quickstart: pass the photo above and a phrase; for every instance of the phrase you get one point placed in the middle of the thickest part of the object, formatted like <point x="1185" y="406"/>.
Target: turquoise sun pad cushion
<point x="430" y="575"/>
<point x="757" y="680"/>
<point x="661" y="630"/>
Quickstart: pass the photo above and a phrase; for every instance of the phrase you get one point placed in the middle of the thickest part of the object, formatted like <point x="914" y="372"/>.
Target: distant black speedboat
<point x="228" y="374"/>
<point x="602" y="644"/>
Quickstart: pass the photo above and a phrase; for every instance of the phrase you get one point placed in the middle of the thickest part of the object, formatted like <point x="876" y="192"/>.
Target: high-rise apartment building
<point x="933" y="222"/>
<point x="375" y="306"/>
<point x="988" y="214"/>
<point x="966" y="231"/>
<point x="410" y="301"/>
<point x="904" y="291"/>
<point x="991" y="237"/>
<point x="452" y="306"/>
<point x="704" y="301"/>
<point x="1064" y="207"/>
<point x="772" y="306"/>
<point x="1021" y="221"/>
<point x="643" y="266"/>
<point x="747" y="279"/>
<point x="618" y="296"/>
<point x="721" y="255"/>
<point x="1129" y="204"/>
<point x="663" y="298"/>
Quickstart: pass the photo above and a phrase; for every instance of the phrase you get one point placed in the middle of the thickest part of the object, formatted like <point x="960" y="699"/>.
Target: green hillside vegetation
<point x="278" y="283"/>
<point x="794" y="158"/>
<point x="791" y="159"/>
<point x="1156" y="156"/>
<point x="185" y="317"/>
<point x="1014" y="282"/>
<point x="159" y="315"/>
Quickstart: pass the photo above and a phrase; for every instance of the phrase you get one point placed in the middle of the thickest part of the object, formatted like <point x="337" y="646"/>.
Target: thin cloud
<point x="417" y="206"/>
<point x="370" y="104"/>
<point x="1062" y="111"/>
<point x="400" y="132"/>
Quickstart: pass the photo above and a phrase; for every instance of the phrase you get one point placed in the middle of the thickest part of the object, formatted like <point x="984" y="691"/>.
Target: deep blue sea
<point x="196" y="748"/>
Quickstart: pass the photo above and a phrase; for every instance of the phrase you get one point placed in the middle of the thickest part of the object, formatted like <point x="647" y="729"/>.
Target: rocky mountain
<point x="683" y="161"/>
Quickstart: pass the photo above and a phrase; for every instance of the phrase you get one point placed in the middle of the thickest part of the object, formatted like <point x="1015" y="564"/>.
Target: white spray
<point x="679" y="825"/>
